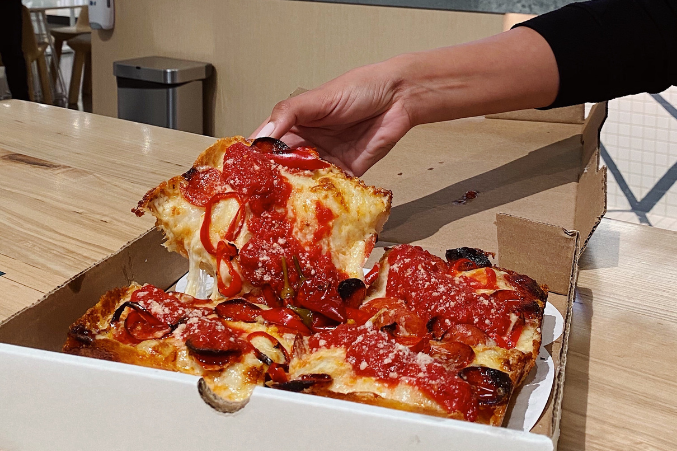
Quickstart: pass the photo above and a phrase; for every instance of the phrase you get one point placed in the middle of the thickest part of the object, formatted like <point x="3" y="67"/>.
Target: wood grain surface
<point x="620" y="391"/>
<point x="68" y="181"/>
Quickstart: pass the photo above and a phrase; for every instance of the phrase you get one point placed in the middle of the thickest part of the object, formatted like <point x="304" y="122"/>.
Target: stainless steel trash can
<point x="162" y="91"/>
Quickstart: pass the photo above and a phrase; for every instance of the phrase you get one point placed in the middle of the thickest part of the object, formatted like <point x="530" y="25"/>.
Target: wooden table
<point x="68" y="180"/>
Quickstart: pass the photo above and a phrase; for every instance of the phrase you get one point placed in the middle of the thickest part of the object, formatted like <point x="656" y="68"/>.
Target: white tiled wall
<point x="641" y="138"/>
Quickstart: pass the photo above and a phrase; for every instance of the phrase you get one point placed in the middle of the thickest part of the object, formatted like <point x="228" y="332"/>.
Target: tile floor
<point x="639" y="147"/>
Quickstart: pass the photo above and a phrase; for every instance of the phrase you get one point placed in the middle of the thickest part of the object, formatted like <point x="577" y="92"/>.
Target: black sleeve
<point x="611" y="48"/>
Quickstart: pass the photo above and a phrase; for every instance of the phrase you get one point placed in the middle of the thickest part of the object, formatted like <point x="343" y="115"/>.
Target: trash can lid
<point x="159" y="69"/>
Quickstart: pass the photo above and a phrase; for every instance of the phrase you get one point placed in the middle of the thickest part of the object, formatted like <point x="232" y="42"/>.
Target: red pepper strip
<point x="238" y="310"/>
<point x="483" y="279"/>
<point x="510" y="340"/>
<point x="299" y="158"/>
<point x="277" y="373"/>
<point x="235" y="225"/>
<point x="285" y="317"/>
<point x="276" y="343"/>
<point x="224" y="253"/>
<point x="359" y="316"/>
<point x="322" y="323"/>
<point x="272" y="299"/>
<point x="462" y="264"/>
<point x="372" y="275"/>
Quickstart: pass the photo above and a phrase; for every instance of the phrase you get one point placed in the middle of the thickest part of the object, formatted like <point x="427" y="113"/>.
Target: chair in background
<point x="34" y="52"/>
<point x="82" y="45"/>
<point x="62" y="34"/>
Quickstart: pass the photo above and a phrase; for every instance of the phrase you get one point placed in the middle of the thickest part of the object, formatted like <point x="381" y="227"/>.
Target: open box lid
<point x="540" y="196"/>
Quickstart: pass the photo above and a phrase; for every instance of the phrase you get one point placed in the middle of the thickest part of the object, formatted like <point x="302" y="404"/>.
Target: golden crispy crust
<point x="213" y="157"/>
<point x="82" y="335"/>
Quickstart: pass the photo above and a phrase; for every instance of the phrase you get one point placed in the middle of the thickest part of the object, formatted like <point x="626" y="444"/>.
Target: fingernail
<point x="267" y="130"/>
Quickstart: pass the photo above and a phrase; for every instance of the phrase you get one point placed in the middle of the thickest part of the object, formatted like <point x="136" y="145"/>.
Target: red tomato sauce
<point x="166" y="307"/>
<point x="372" y="353"/>
<point x="325" y="218"/>
<point x="265" y="191"/>
<point x="429" y="288"/>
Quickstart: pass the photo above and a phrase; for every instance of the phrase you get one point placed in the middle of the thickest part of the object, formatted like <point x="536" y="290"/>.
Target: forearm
<point x="611" y="48"/>
<point x="510" y="71"/>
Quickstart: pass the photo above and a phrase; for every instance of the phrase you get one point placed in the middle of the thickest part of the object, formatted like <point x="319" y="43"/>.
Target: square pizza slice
<point x="450" y="338"/>
<point x="259" y="216"/>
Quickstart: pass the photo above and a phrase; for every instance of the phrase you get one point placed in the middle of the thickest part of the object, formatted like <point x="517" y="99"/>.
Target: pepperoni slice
<point x="238" y="310"/>
<point x="414" y="343"/>
<point x="201" y="184"/>
<point x="492" y="387"/>
<point x="468" y="334"/>
<point x="270" y="145"/>
<point x="213" y="344"/>
<point x="143" y="326"/>
<point x="527" y="285"/>
<point x="394" y="311"/>
<point x="300" y="158"/>
<point x="453" y="355"/>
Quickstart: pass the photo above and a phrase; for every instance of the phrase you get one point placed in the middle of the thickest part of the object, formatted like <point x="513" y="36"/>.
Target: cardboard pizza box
<point x="539" y="196"/>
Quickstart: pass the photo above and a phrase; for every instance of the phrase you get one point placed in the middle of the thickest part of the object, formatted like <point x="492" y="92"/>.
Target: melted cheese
<point x="332" y="361"/>
<point x="359" y="212"/>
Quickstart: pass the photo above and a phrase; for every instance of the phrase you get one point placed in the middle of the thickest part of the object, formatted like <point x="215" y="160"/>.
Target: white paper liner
<point x="533" y="395"/>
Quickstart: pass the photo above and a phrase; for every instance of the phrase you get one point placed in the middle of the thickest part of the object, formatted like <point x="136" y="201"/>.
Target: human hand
<point x="353" y="120"/>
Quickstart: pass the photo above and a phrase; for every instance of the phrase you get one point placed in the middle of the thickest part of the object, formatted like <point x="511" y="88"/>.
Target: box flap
<point x="44" y="324"/>
<point x="591" y="132"/>
<point x="591" y="199"/>
<point x="574" y="114"/>
<point x="591" y="202"/>
<point x="545" y="252"/>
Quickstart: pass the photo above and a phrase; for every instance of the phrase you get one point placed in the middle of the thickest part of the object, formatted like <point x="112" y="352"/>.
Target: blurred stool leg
<point x="87" y="84"/>
<point x="76" y="77"/>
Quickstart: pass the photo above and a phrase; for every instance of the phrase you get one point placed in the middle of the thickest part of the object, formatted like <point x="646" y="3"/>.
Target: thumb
<point x="304" y="109"/>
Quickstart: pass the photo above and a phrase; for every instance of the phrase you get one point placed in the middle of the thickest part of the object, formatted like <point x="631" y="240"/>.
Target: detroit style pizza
<point x="285" y="235"/>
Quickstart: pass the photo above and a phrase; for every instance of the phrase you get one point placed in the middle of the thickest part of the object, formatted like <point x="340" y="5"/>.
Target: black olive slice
<point x="303" y="382"/>
<point x="270" y="145"/>
<point x="81" y="334"/>
<point x="389" y="328"/>
<point x="189" y="173"/>
<point x="211" y="352"/>
<point x="138" y="307"/>
<point x="276" y="344"/>
<point x="352" y="291"/>
<point x="477" y="256"/>
<point x="492" y="387"/>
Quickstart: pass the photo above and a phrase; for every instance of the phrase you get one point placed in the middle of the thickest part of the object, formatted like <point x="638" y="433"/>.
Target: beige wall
<point x="263" y="50"/>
